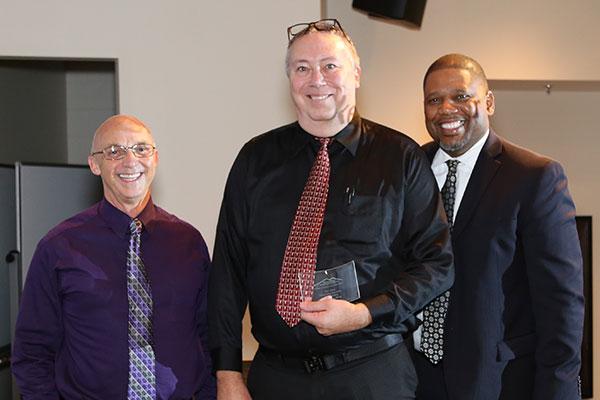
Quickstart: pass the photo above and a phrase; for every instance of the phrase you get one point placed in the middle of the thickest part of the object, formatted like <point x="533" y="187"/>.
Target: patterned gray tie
<point x="142" y="380"/>
<point x="434" y="314"/>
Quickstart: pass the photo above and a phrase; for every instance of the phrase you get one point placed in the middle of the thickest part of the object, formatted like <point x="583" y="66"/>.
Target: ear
<point x="357" y="74"/>
<point x="94" y="167"/>
<point x="490" y="103"/>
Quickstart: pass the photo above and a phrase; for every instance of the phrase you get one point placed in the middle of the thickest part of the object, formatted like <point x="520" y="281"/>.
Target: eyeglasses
<point x="118" y="151"/>
<point x="303" y="28"/>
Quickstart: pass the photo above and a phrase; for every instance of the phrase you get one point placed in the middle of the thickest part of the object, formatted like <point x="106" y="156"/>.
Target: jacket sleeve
<point x="555" y="271"/>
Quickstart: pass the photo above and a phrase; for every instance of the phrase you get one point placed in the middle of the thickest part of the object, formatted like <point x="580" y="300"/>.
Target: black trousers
<point x="389" y="375"/>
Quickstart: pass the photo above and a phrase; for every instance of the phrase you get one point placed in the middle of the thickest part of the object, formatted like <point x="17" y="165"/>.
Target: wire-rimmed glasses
<point x="118" y="151"/>
<point x="329" y="24"/>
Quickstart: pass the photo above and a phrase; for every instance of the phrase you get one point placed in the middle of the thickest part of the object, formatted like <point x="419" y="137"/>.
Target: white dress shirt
<point x="464" y="169"/>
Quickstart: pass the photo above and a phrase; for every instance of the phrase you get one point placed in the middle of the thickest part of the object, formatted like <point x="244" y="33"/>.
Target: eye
<point x="330" y="66"/>
<point x="301" y="68"/>
<point x="433" y="100"/>
<point x="141" y="149"/>
<point x="112" y="150"/>
<point x="463" y="97"/>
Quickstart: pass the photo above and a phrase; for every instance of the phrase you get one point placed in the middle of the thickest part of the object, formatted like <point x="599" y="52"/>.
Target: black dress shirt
<point x="383" y="211"/>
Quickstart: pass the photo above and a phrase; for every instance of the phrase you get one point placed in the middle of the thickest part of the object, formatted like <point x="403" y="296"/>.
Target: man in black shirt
<point x="383" y="215"/>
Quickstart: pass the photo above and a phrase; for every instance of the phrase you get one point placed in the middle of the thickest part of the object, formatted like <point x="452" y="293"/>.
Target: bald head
<point x="126" y="179"/>
<point x="116" y="123"/>
<point x="458" y="61"/>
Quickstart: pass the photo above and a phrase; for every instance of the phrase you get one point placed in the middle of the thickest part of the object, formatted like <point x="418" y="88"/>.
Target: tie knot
<point x="135" y="227"/>
<point x="324" y="141"/>
<point x="452" y="164"/>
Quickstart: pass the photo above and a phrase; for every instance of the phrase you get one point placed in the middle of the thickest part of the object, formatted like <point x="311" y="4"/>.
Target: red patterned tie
<point x="300" y="259"/>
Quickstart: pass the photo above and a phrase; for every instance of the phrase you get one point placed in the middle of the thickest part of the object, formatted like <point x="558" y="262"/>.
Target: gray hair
<point x="343" y="35"/>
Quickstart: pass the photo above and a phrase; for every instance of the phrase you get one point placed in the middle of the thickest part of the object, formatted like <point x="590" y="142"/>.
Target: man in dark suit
<point x="514" y="320"/>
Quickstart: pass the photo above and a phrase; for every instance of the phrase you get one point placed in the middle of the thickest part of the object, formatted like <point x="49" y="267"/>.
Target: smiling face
<point x="323" y="82"/>
<point x="458" y="105"/>
<point x="127" y="181"/>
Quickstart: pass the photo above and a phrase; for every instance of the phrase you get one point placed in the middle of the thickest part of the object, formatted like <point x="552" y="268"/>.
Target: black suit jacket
<point x="515" y="318"/>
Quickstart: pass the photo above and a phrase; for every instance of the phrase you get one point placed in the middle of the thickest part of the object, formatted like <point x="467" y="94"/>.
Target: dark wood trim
<point x="49" y="164"/>
<point x="5" y="357"/>
<point x="584" y="230"/>
<point x="245" y="369"/>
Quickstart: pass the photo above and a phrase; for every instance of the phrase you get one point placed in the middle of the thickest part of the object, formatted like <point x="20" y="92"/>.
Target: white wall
<point x="534" y="39"/>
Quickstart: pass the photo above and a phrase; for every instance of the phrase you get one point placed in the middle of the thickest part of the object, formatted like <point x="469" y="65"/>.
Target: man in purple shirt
<point x="74" y="326"/>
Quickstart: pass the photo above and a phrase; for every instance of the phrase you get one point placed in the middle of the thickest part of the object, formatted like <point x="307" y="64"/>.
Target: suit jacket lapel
<point x="485" y="169"/>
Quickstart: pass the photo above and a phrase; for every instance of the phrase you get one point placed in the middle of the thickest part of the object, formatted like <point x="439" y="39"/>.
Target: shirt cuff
<point x="380" y="306"/>
<point x="227" y="359"/>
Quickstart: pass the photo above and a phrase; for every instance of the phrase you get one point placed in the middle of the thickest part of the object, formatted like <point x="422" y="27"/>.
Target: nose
<point x="447" y="107"/>
<point x="316" y="77"/>
<point x="129" y="158"/>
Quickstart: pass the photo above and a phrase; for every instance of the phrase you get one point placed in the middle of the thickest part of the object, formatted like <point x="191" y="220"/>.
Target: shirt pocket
<point x="361" y="220"/>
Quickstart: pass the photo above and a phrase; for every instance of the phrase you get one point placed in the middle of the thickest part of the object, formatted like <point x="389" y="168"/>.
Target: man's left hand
<point x="331" y="316"/>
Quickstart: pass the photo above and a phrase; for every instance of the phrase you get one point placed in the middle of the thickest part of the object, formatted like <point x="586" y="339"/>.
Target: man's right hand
<point x="231" y="386"/>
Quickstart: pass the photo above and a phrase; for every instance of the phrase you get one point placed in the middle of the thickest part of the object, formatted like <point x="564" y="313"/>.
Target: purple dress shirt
<point x="71" y="335"/>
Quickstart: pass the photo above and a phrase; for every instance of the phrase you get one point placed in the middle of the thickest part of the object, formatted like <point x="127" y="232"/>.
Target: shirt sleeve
<point x="227" y="294"/>
<point x="555" y="271"/>
<point x="38" y="333"/>
<point x="421" y="250"/>
<point x="209" y="388"/>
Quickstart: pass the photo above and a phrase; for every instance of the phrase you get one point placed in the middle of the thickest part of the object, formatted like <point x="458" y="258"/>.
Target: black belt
<point x="324" y="362"/>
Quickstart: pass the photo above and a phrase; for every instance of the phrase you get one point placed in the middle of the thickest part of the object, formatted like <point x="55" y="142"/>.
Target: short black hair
<point x="459" y="61"/>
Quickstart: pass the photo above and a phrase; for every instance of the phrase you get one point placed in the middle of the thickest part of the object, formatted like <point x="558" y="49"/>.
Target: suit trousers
<point x="517" y="382"/>
<point x="388" y="375"/>
<point x="432" y="385"/>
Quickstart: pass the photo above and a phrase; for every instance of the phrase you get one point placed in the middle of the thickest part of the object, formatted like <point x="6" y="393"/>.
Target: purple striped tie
<point x="142" y="380"/>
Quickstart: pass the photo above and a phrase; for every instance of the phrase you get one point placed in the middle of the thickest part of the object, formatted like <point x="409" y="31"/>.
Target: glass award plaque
<point x="338" y="282"/>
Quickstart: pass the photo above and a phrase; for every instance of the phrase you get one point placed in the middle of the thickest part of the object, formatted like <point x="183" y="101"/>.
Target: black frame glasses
<point x="119" y="151"/>
<point x="322" y="25"/>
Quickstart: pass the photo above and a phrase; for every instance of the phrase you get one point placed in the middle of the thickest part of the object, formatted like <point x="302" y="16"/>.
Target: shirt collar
<point x="467" y="159"/>
<point x="119" y="222"/>
<point x="349" y="136"/>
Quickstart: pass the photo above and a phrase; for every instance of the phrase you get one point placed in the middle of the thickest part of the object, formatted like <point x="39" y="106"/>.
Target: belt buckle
<point x="314" y="364"/>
